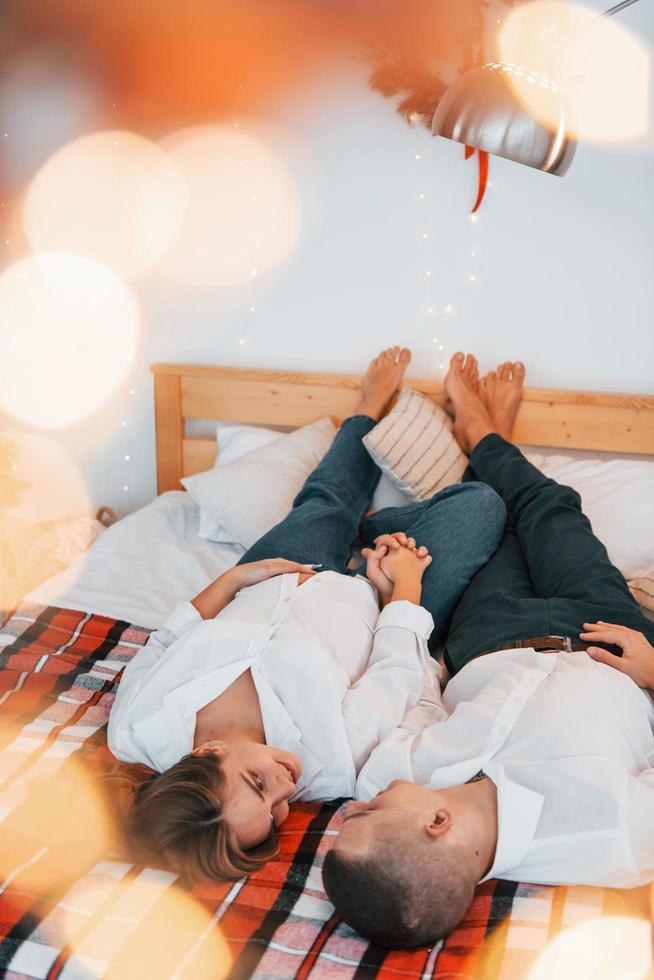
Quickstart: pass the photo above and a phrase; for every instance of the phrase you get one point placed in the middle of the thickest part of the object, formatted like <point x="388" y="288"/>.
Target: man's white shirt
<point x="568" y="743"/>
<point x="333" y="675"/>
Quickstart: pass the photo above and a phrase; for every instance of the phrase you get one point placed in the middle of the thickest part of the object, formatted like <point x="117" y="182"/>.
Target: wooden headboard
<point x="285" y="399"/>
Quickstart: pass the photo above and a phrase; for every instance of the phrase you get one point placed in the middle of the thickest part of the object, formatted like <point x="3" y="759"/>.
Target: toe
<point x="518" y="371"/>
<point x="456" y="363"/>
<point x="405" y="355"/>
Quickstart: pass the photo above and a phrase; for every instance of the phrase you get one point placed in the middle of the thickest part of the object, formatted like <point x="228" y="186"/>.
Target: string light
<point x="472" y="277"/>
<point x="449" y="308"/>
<point x="474" y="218"/>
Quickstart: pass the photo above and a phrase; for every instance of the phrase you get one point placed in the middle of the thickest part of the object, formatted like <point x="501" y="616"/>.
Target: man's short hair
<point x="405" y="892"/>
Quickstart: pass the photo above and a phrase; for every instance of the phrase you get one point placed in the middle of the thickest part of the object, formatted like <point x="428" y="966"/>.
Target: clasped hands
<point x="395" y="566"/>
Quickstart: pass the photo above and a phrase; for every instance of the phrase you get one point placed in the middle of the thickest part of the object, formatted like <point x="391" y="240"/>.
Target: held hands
<point x="637" y="660"/>
<point x="396" y="566"/>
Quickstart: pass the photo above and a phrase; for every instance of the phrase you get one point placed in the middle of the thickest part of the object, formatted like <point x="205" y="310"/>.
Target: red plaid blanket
<point x="68" y="908"/>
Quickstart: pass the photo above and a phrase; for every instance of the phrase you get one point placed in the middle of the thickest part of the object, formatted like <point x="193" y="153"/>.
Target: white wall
<point x="564" y="273"/>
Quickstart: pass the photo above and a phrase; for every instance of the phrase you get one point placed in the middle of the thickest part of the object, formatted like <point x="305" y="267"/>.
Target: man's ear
<point x="210" y="748"/>
<point x="439" y="824"/>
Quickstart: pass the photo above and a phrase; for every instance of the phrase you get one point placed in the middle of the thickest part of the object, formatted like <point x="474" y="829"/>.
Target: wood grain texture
<point x="617" y="423"/>
<point x="169" y="429"/>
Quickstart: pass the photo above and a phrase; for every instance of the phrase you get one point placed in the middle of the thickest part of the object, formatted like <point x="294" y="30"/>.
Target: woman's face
<point x="258" y="782"/>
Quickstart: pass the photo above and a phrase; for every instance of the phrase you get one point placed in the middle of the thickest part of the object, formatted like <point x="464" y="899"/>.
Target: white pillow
<point x="617" y="495"/>
<point x="232" y="441"/>
<point x="250" y="495"/>
<point x="235" y="441"/>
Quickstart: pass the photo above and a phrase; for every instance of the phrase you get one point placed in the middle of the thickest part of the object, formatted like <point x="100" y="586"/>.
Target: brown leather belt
<point x="542" y="644"/>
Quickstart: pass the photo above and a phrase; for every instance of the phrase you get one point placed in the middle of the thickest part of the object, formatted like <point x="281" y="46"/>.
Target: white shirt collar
<point x="518" y="813"/>
<point x="282" y="732"/>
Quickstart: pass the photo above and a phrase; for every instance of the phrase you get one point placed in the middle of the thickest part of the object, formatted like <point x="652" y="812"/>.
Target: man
<point x="537" y="763"/>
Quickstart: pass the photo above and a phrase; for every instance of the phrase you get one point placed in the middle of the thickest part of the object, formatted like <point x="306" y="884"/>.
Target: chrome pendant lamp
<point x="485" y="109"/>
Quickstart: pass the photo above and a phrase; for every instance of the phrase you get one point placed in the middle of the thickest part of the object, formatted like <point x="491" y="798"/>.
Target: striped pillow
<point x="642" y="589"/>
<point x="414" y="446"/>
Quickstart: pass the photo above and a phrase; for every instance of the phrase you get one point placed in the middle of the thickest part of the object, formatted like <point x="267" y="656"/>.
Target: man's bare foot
<point x="381" y="381"/>
<point x="472" y="420"/>
<point x="501" y="392"/>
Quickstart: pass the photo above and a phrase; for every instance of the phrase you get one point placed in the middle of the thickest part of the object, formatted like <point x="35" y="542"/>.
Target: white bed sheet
<point x="139" y="568"/>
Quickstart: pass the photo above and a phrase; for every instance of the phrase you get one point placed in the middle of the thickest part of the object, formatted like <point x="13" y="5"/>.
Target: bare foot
<point x="381" y="381"/>
<point x="472" y="420"/>
<point x="501" y="392"/>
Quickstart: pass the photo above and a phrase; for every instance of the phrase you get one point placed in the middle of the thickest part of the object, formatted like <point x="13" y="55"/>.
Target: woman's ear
<point x="210" y="748"/>
<point x="439" y="824"/>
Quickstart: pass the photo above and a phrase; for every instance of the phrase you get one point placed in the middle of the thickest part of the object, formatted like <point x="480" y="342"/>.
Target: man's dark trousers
<point x="549" y="576"/>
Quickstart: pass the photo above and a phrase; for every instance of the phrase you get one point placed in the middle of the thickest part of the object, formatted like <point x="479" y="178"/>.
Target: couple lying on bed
<point x="281" y="683"/>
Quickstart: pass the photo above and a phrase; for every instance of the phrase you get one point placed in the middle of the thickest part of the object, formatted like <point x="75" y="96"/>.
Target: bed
<point x="71" y="908"/>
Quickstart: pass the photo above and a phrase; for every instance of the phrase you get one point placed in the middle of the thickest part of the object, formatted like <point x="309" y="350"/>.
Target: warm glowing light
<point x="236" y="188"/>
<point x="111" y="196"/>
<point x="449" y="308"/>
<point x="40" y="487"/>
<point x="66" y="324"/>
<point x="603" y="948"/>
<point x="46" y="839"/>
<point x="105" y="912"/>
<point x="601" y="68"/>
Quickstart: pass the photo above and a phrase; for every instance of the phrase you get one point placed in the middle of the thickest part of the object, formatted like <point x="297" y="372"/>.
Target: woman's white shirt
<point x="333" y="675"/>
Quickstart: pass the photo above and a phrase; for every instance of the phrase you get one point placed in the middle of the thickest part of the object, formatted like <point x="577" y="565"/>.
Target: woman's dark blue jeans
<point x="461" y="526"/>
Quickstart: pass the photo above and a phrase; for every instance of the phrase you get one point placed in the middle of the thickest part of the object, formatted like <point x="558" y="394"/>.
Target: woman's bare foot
<point x="472" y="420"/>
<point x="381" y="381"/>
<point x="501" y="392"/>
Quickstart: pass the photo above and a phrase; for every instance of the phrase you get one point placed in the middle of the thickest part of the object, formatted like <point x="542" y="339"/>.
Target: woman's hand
<point x="384" y="545"/>
<point x="404" y="566"/>
<point x="406" y="562"/>
<point x="637" y="660"/>
<point x="222" y="590"/>
<point x="254" y="572"/>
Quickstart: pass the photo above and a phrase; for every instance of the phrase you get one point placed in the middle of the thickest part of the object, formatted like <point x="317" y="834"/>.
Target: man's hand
<point x="374" y="573"/>
<point x="637" y="660"/>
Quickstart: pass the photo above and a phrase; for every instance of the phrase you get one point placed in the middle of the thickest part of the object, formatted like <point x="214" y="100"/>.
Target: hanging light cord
<point x="618" y="7"/>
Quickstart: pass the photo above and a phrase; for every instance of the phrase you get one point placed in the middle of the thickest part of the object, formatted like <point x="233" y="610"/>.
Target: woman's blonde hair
<point x="174" y="820"/>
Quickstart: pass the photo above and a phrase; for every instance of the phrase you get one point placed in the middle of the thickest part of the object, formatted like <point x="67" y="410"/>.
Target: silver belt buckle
<point x="566" y="641"/>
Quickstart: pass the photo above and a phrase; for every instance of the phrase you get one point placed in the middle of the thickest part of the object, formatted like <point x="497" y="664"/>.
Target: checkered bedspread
<point x="69" y="909"/>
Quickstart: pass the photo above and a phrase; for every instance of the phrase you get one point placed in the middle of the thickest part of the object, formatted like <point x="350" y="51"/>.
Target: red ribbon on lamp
<point x="483" y="173"/>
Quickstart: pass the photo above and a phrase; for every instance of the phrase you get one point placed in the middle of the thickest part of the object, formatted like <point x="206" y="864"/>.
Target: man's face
<point x="416" y="803"/>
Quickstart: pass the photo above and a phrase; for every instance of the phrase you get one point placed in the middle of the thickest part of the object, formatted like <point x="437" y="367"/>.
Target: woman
<point x="277" y="681"/>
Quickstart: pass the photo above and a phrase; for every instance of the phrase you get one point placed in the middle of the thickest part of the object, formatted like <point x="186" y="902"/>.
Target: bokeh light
<point x="113" y="196"/>
<point x="68" y="330"/>
<point x="45" y="514"/>
<point x="604" y="948"/>
<point x="243" y="212"/>
<point x="55" y="819"/>
<point x="148" y="928"/>
<point x="602" y="69"/>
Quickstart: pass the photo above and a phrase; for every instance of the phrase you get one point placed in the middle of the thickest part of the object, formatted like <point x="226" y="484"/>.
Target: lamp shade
<point x="488" y="108"/>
